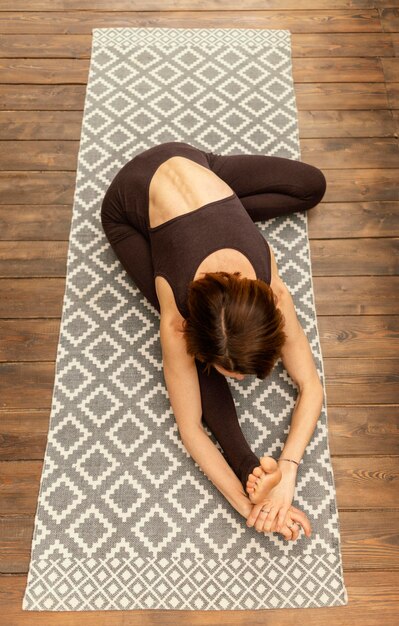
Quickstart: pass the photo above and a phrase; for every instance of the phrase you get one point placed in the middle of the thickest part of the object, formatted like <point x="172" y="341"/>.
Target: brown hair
<point x="234" y="323"/>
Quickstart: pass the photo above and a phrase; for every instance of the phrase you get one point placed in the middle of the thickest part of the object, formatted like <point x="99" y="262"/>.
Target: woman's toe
<point x="268" y="464"/>
<point x="258" y="472"/>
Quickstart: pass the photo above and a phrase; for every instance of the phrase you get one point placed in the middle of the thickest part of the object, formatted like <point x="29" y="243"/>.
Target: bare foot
<point x="263" y="479"/>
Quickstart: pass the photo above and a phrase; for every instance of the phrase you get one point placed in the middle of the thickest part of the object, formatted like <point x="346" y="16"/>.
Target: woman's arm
<point x="182" y="383"/>
<point x="297" y="359"/>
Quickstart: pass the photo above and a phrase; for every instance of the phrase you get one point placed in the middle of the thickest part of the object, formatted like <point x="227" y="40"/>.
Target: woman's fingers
<point x="263" y="515"/>
<point x="300" y="517"/>
<point x="281" y="518"/>
<point x="286" y="532"/>
<point x="288" y="529"/>
<point x="295" y="532"/>
<point x="270" y="519"/>
<point x="266" y="519"/>
<point x="253" y="516"/>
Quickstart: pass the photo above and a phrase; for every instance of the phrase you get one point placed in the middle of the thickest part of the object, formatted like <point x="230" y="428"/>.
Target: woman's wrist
<point x="288" y="468"/>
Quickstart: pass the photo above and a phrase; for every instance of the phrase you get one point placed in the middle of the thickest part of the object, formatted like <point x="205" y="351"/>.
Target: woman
<point x="181" y="222"/>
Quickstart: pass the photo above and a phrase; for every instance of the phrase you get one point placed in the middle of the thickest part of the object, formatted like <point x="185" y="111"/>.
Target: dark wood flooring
<point x="346" y="73"/>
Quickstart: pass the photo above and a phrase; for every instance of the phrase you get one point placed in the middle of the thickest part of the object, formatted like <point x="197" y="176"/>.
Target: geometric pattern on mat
<point x="126" y="519"/>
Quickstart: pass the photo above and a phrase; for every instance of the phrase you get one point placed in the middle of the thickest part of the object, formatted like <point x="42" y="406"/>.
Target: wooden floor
<point x="346" y="73"/>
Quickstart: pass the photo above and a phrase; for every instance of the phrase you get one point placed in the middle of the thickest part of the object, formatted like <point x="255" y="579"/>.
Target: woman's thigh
<point x="249" y="174"/>
<point x="268" y="185"/>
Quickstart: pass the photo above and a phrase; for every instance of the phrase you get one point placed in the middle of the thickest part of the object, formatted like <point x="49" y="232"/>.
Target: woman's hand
<point x="279" y="513"/>
<point x="289" y="530"/>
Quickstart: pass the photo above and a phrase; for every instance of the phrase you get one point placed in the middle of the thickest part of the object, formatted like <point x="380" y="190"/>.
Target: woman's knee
<point x="320" y="185"/>
<point x="316" y="185"/>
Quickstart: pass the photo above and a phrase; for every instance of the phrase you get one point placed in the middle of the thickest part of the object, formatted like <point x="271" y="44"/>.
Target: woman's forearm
<point x="303" y="422"/>
<point x="214" y="465"/>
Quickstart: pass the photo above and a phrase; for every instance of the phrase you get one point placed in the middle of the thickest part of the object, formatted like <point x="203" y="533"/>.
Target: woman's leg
<point x="218" y="409"/>
<point x="270" y="186"/>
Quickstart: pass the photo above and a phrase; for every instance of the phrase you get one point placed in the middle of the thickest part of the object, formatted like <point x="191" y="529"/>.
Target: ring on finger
<point x="291" y="525"/>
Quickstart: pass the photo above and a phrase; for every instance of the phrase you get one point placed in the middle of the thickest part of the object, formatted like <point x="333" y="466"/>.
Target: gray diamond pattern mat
<point x="125" y="518"/>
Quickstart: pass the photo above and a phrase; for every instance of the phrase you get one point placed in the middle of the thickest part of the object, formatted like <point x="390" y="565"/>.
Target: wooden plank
<point x="340" y="336"/>
<point x="324" y="153"/>
<point x="391" y="70"/>
<point x="382" y="3"/>
<point x="31" y="297"/>
<point x="347" y="257"/>
<point x="19" y="187"/>
<point x="373" y="599"/>
<point x="44" y="71"/>
<point x="362" y="381"/>
<point x="358" y="295"/>
<point x="393" y="95"/>
<point x="361" y="483"/>
<point x="314" y="21"/>
<point x="23" y="435"/>
<point x="368" y="542"/>
<point x="170" y="5"/>
<point x="339" y="152"/>
<point x="309" y="96"/>
<point x="32" y="340"/>
<point x="15" y="544"/>
<point x="339" y="96"/>
<point x="337" y="69"/>
<point x="51" y="97"/>
<point x="366" y="483"/>
<point x="28" y="385"/>
<point x="373" y="123"/>
<point x="43" y="155"/>
<point x="354" y="430"/>
<point x="340" y="220"/>
<point x="33" y="258"/>
<point x="389" y="17"/>
<point x="341" y="295"/>
<point x="350" y="257"/>
<point x="363" y="430"/>
<point x="19" y="487"/>
<point x="352" y="185"/>
<point x="19" y="222"/>
<point x="67" y="125"/>
<point x="304" y="70"/>
<point x="309" y="45"/>
<point x="340" y="45"/>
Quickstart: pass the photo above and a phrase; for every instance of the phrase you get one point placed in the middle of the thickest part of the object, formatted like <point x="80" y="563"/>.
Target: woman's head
<point x="234" y="324"/>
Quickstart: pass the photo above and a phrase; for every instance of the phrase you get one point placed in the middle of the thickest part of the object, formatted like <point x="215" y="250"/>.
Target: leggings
<point x="268" y="187"/>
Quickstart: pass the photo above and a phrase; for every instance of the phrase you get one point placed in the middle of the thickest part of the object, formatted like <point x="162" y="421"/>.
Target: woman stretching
<point x="181" y="222"/>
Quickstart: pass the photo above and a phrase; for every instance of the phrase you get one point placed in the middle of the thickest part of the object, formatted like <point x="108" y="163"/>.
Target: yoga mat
<point x="125" y="518"/>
